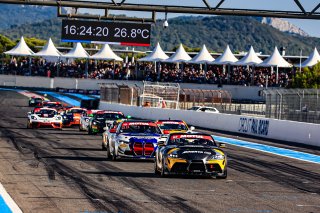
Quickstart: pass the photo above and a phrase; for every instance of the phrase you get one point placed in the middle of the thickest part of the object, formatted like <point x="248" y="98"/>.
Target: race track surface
<point x="48" y="170"/>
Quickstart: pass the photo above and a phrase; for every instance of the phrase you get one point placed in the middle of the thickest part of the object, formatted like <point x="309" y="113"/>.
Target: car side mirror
<point x="222" y="145"/>
<point x="129" y="116"/>
<point x="192" y="128"/>
<point x="90" y="115"/>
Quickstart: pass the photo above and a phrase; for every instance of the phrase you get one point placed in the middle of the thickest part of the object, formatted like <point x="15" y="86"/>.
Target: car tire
<point x="90" y="131"/>
<point x="163" y="170"/>
<point x="104" y="148"/>
<point x="109" y="156"/>
<point x="156" y="171"/>
<point x="224" y="175"/>
<point x="114" y="157"/>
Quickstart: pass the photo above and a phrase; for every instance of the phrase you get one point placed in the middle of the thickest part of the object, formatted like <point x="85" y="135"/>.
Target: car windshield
<point x="194" y="108"/>
<point x="170" y="126"/>
<point x="193" y="140"/>
<point x="38" y="100"/>
<point x="45" y="113"/>
<point x="109" y="116"/>
<point x="80" y="111"/>
<point x="148" y="129"/>
<point x="52" y="105"/>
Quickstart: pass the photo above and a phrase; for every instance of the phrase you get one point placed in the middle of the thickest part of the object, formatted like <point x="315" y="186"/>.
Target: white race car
<point x="132" y="139"/>
<point x="45" y="117"/>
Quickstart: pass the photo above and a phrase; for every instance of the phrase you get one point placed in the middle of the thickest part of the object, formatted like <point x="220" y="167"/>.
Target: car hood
<point x="194" y="152"/>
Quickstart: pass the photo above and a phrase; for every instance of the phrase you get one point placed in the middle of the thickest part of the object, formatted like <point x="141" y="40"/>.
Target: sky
<point x="309" y="26"/>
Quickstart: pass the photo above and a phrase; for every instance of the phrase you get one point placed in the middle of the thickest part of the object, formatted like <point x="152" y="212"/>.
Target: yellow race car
<point x="195" y="153"/>
<point x="173" y="126"/>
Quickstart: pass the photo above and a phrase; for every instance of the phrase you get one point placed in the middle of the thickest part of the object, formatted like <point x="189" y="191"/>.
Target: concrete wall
<point x="238" y="92"/>
<point x="290" y="131"/>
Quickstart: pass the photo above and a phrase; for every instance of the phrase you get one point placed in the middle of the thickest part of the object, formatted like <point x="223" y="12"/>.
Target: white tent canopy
<point x="106" y="53"/>
<point x="312" y="60"/>
<point x="227" y="57"/>
<point x="77" y="52"/>
<point x="179" y="56"/>
<point x="202" y="57"/>
<point x="251" y="58"/>
<point x="156" y="55"/>
<point x="275" y="60"/>
<point x="49" y="50"/>
<point x="21" y="49"/>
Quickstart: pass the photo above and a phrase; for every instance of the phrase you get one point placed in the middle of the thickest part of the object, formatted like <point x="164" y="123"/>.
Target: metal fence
<point x="301" y="105"/>
<point x="171" y="94"/>
<point x="293" y="104"/>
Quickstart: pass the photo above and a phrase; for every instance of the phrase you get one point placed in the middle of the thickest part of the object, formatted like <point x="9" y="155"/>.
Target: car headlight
<point x="64" y="117"/>
<point x="217" y="156"/>
<point x="87" y="120"/>
<point x="123" y="142"/>
<point x="58" y="118"/>
<point x="94" y="123"/>
<point x="173" y="154"/>
<point x="33" y="117"/>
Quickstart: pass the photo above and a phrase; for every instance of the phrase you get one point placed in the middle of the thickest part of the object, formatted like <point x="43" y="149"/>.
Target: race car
<point x="45" y="117"/>
<point x="85" y="119"/>
<point x="54" y="105"/>
<point x="195" y="153"/>
<point x="35" y="101"/>
<point x="133" y="139"/>
<point x="72" y="116"/>
<point x="102" y="119"/>
<point x="172" y="126"/>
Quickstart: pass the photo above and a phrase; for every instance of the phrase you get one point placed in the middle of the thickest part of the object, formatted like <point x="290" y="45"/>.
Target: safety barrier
<point x="290" y="131"/>
<point x="238" y="92"/>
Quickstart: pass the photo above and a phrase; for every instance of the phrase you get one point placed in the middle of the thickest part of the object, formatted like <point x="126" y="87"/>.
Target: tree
<point x="308" y="78"/>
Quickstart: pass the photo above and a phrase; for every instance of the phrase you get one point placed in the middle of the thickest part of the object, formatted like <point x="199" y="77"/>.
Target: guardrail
<point x="290" y="131"/>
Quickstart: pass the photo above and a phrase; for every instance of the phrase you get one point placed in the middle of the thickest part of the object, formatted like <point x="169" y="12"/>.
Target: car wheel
<point x="163" y="170"/>
<point x="223" y="175"/>
<point x="108" y="152"/>
<point x="90" y="131"/>
<point x="114" y="156"/>
<point x="156" y="171"/>
<point x="103" y="144"/>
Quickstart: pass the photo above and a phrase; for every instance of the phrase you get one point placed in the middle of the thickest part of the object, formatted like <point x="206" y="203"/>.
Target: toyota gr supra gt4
<point x="133" y="139"/>
<point x="72" y="116"/>
<point x="102" y="119"/>
<point x="85" y="119"/>
<point x="196" y="154"/>
<point x="45" y="117"/>
<point x="173" y="126"/>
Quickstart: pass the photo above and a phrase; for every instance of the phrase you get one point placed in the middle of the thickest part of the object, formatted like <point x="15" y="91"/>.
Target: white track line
<point x="9" y="201"/>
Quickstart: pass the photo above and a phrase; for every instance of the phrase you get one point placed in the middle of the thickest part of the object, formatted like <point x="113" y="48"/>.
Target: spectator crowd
<point x="187" y="73"/>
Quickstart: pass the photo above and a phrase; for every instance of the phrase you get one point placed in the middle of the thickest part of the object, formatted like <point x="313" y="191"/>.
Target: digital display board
<point x="128" y="34"/>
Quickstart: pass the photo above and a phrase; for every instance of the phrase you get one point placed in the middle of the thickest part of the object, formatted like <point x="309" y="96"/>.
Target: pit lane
<point x="47" y="170"/>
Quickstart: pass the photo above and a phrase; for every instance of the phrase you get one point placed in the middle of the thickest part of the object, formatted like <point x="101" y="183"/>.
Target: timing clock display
<point x="131" y="34"/>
